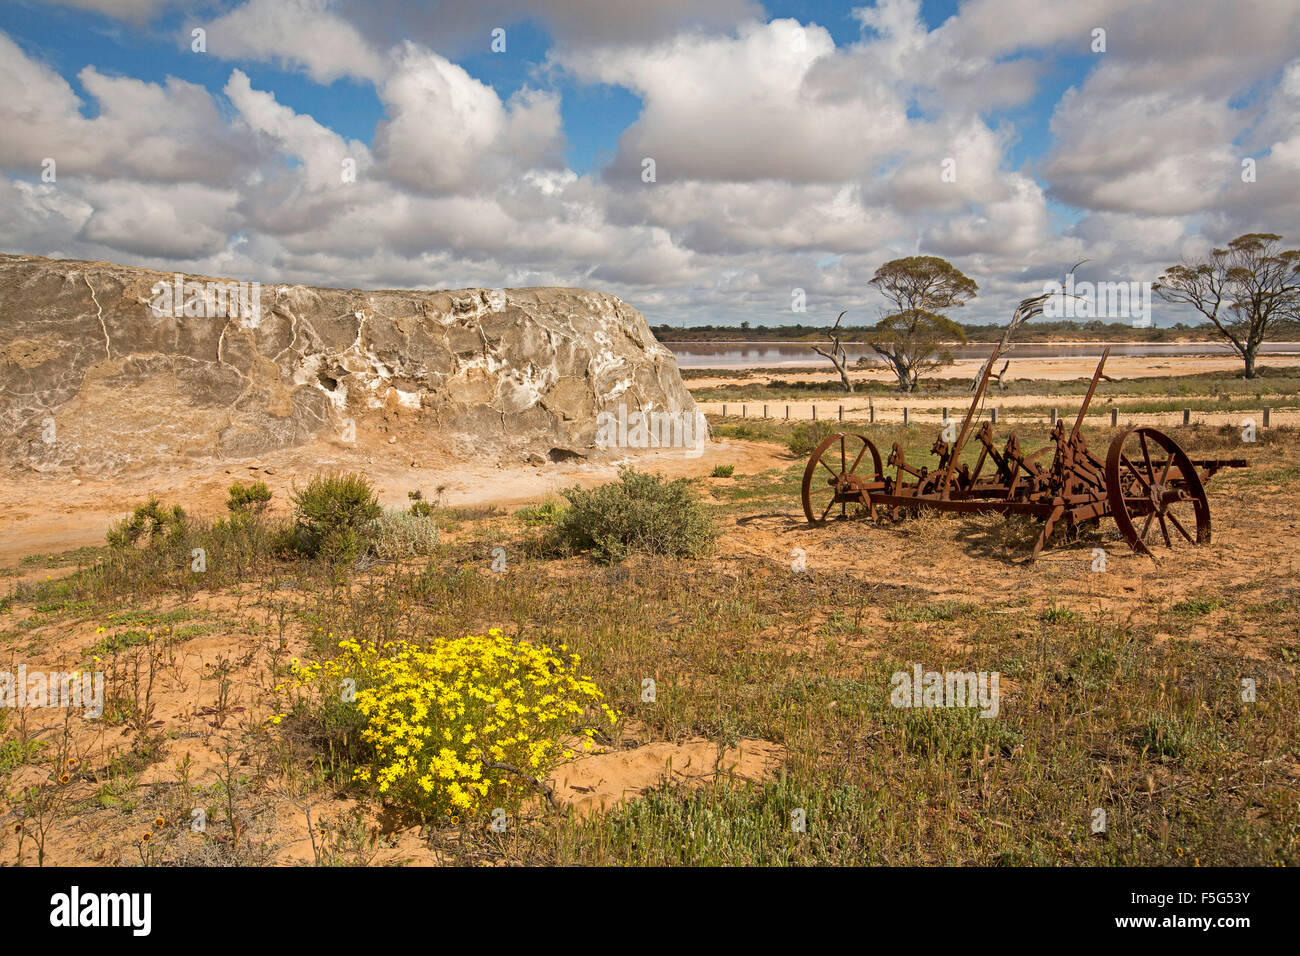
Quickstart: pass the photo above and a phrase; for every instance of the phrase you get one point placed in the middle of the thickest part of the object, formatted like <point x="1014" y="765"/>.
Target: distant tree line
<point x="1037" y="331"/>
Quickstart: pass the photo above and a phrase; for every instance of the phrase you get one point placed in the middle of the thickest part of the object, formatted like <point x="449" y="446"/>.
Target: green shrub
<point x="805" y="436"/>
<point x="1195" y="607"/>
<point x="334" y="517"/>
<point x="419" y="507"/>
<point x="639" y="513"/>
<point x="402" y="534"/>
<point x="248" y="499"/>
<point x="548" y="512"/>
<point x="722" y="471"/>
<point x="1166" y="736"/>
<point x="150" y="524"/>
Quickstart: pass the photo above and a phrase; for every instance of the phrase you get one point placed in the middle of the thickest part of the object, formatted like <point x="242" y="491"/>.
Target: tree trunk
<point x="901" y="373"/>
<point x="839" y="359"/>
<point x="1250" y="360"/>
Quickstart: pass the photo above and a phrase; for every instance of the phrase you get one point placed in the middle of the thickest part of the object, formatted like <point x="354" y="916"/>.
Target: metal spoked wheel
<point x="1155" y="493"/>
<point x="835" y="474"/>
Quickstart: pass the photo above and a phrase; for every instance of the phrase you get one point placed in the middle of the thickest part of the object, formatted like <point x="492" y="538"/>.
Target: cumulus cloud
<point x="163" y="132"/>
<point x="745" y="107"/>
<point x="783" y="160"/>
<point x="319" y="150"/>
<point x="456" y="27"/>
<point x="447" y="130"/>
<point x="1155" y="127"/>
<point x="306" y="34"/>
<point x="183" y="221"/>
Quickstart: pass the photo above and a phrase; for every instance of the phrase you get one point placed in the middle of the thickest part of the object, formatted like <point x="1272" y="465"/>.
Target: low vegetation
<point x="1121" y="692"/>
<point x="805" y="436"/>
<point x="463" y="724"/>
<point x="333" y="515"/>
<point x="638" y="514"/>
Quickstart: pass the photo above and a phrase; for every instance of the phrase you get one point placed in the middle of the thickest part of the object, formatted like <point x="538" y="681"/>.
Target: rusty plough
<point x="1147" y="483"/>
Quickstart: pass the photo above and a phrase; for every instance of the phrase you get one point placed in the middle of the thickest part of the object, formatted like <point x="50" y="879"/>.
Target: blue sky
<point x="594" y="114"/>
<point x="798" y="144"/>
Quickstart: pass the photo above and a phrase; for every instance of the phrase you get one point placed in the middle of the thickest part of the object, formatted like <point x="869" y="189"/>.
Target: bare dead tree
<point x="997" y="376"/>
<point x="1026" y="310"/>
<point x="838" y="357"/>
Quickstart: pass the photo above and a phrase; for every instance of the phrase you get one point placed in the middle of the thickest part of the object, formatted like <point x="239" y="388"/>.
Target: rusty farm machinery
<point x="1146" y="482"/>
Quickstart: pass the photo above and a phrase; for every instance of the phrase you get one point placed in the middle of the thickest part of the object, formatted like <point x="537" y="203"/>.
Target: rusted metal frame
<point x="1087" y="399"/>
<point x="1098" y="509"/>
<point x="941" y="450"/>
<point x="1209" y="467"/>
<point x="1014" y="482"/>
<point x="965" y="505"/>
<point x="989" y="492"/>
<point x="1012" y="454"/>
<point x="898" y="458"/>
<point x="960" y="443"/>
<point x="1049" y="525"/>
<point x="1142" y="504"/>
<point x="1031" y="468"/>
<point x="1083" y="498"/>
<point x="985" y="438"/>
<point x="979" y="465"/>
<point x="1092" y="471"/>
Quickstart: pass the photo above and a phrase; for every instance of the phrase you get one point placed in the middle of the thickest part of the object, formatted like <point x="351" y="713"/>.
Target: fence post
<point x="724" y="409"/>
<point x="1114" y="416"/>
<point x="1053" y="421"/>
<point x="1266" y="411"/>
<point x="1187" y="416"/>
<point x="945" y="413"/>
<point x="871" y="408"/>
<point x="765" y="411"/>
<point x="814" y="408"/>
<point x="904" y="414"/>
<point x="841" y="413"/>
<point x="993" y="416"/>
<point x="787" y="413"/>
<point x="744" y="411"/>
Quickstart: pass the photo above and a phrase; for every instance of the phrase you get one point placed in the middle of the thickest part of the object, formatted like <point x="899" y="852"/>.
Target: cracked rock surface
<point x="93" y="379"/>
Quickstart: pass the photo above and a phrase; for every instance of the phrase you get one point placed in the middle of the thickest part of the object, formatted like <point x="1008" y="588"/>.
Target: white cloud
<point x="1157" y="153"/>
<point x="782" y="160"/>
<point x="172" y="222"/>
<point x="308" y="34"/>
<point x="747" y="107"/>
<point x="169" y="132"/>
<point x="455" y="27"/>
<point x="1155" y="126"/>
<point x="320" y="150"/>
<point x="447" y="130"/>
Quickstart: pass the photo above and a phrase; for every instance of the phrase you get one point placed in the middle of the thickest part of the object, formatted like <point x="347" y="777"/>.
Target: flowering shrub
<point x="463" y="719"/>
